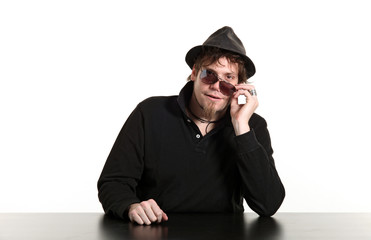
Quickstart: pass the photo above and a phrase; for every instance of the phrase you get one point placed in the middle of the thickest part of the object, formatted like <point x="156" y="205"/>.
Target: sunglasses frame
<point x="226" y="88"/>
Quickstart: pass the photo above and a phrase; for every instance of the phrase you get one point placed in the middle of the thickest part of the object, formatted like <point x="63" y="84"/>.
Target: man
<point x="201" y="151"/>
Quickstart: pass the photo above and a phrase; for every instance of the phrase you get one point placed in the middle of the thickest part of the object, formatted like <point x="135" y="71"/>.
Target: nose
<point x="216" y="85"/>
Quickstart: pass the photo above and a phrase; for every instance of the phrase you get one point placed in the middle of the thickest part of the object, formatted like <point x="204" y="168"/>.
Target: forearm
<point x="119" y="178"/>
<point x="262" y="187"/>
<point x="116" y="196"/>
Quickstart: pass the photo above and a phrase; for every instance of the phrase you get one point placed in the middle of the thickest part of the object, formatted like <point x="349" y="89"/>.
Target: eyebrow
<point x="213" y="71"/>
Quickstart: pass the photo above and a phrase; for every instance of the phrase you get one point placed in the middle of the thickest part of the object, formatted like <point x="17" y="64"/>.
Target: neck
<point x="201" y="119"/>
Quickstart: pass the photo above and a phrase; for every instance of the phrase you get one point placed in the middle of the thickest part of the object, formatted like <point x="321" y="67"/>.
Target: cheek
<point x="227" y="101"/>
<point x="199" y="86"/>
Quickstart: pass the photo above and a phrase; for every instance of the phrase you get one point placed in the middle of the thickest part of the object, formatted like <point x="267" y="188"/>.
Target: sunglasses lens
<point x="226" y="88"/>
<point x="208" y="77"/>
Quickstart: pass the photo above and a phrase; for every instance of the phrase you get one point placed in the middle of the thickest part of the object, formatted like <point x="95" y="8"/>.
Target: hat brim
<point x="195" y="51"/>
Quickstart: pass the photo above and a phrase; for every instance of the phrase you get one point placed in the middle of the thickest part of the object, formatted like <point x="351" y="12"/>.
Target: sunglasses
<point x="210" y="77"/>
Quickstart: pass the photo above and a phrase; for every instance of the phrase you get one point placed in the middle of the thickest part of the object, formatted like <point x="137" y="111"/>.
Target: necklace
<point x="203" y="120"/>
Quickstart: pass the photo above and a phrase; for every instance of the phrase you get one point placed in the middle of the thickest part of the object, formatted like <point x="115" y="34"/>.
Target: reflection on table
<point x="196" y="226"/>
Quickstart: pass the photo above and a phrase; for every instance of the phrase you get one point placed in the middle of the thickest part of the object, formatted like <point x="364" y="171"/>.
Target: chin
<point x="212" y="110"/>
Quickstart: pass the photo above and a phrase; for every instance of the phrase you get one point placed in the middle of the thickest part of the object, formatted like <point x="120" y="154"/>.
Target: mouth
<point x="213" y="97"/>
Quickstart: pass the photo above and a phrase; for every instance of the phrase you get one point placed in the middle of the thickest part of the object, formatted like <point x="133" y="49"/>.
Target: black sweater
<point x="161" y="154"/>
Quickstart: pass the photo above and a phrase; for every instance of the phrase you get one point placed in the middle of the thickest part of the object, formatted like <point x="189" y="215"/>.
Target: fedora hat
<point x="226" y="39"/>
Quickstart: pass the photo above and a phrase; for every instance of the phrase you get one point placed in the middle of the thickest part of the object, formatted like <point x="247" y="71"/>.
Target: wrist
<point x="240" y="128"/>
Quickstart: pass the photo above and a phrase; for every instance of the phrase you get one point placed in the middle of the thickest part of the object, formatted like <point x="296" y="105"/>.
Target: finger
<point x="142" y="214"/>
<point x="244" y="86"/>
<point x="148" y="211"/>
<point x="241" y="92"/>
<point x="247" y="92"/>
<point x="157" y="211"/>
<point x="240" y="89"/>
<point x="159" y="216"/>
<point x="164" y="216"/>
<point x="134" y="217"/>
<point x="251" y="100"/>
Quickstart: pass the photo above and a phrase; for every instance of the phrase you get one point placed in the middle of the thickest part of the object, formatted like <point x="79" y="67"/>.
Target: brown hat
<point x="226" y="39"/>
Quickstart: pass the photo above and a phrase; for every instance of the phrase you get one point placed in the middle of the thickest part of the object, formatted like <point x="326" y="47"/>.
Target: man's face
<point x="208" y="96"/>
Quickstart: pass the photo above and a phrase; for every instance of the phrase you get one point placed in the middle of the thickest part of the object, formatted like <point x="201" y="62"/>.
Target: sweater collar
<point x="185" y="96"/>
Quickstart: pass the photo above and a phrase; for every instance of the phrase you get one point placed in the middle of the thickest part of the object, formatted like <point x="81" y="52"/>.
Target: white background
<point x="72" y="71"/>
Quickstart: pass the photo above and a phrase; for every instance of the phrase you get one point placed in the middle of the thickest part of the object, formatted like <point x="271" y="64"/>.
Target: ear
<point x="193" y="74"/>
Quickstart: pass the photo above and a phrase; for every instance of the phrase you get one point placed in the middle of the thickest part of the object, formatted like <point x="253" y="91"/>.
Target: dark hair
<point x="210" y="55"/>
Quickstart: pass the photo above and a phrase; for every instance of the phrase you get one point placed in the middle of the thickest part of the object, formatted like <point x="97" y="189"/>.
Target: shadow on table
<point x="194" y="226"/>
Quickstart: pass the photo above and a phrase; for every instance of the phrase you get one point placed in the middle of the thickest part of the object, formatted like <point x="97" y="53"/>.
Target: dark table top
<point x="282" y="226"/>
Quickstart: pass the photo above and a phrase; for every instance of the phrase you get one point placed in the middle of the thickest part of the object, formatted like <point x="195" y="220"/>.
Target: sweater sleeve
<point x="261" y="184"/>
<point x="123" y="168"/>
